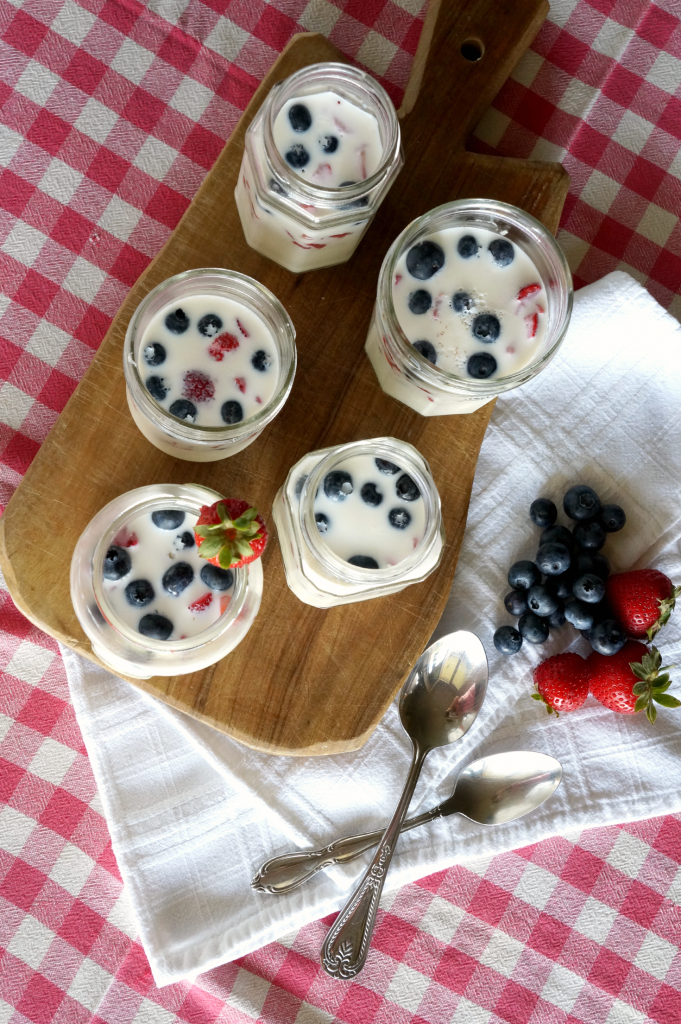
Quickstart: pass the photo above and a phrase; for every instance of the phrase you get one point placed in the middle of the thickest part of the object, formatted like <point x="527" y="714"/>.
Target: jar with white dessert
<point x="474" y="299"/>
<point x="209" y="360"/>
<point x="357" y="521"/>
<point x="146" y="600"/>
<point x="319" y="158"/>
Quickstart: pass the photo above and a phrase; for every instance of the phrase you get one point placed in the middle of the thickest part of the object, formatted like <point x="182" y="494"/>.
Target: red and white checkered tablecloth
<point x="111" y="114"/>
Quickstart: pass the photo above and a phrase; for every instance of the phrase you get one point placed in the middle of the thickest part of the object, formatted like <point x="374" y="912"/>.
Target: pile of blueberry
<point x="566" y="581"/>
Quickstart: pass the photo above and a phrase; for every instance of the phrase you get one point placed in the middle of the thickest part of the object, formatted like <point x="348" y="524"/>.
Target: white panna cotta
<point x="155" y="582"/>
<point x="208" y="360"/>
<point x="471" y="302"/>
<point x="369" y="512"/>
<point x="328" y="140"/>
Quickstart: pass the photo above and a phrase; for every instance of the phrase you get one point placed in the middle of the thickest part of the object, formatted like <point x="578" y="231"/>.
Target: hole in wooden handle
<point x="472" y="49"/>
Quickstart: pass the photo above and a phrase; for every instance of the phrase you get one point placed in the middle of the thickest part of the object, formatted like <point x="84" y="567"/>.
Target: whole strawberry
<point x="562" y="682"/>
<point x="642" y="600"/>
<point x="631" y="680"/>
<point x="230" y="534"/>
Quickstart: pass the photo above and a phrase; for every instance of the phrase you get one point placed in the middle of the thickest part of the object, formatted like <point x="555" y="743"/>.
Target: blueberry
<point x="607" y="637"/>
<point x="177" y="322"/>
<point x="300" y="117"/>
<point x="183" y="409"/>
<point x="543" y="512"/>
<point x="523" y="574"/>
<point x="371" y="495"/>
<point x="425" y="259"/>
<point x="578" y="613"/>
<point x="589" y="588"/>
<point x="362" y="201"/>
<point x="508" y="640"/>
<point x="399" y="518"/>
<point x="427" y="350"/>
<point x="216" y="578"/>
<point x="297" y="156"/>
<point x="420" y="301"/>
<point x="168" y="518"/>
<point x="322" y="522"/>
<point x="541" y="601"/>
<point x="515" y="602"/>
<point x="481" y="365"/>
<point x="589" y="534"/>
<point x="581" y="502"/>
<point x="532" y="628"/>
<point x="612" y="518"/>
<point x="261" y="360"/>
<point x="486" y="327"/>
<point x="185" y="540"/>
<point x="561" y="585"/>
<point x="462" y="302"/>
<point x="156" y="388"/>
<point x="556" y="619"/>
<point x="139" y="593"/>
<point x="338" y="485"/>
<point x="557" y="535"/>
<point x="329" y="143"/>
<point x="363" y="562"/>
<point x="177" y="578"/>
<point x="467" y="247"/>
<point x="502" y="252"/>
<point x="389" y="468"/>
<point x="154" y="354"/>
<point x="117" y="563"/>
<point x="300" y="483"/>
<point x="209" y="325"/>
<point x="232" y="412"/>
<point x="553" y="559"/>
<point x="406" y="489"/>
<point x="587" y="562"/>
<point x="155" y="626"/>
<point x="276" y="187"/>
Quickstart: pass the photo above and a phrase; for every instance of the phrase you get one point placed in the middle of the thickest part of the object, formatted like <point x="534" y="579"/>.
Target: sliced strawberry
<point x="224" y="602"/>
<point x="125" y="539"/>
<point x="230" y="534"/>
<point x="198" y="386"/>
<point x="241" y="384"/>
<point x="532" y="323"/>
<point x="224" y="342"/>
<point x="201" y="603"/>
<point x="527" y="291"/>
<point x="242" y="329"/>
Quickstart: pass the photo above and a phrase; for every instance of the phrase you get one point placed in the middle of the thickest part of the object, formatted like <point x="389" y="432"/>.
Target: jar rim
<point x="492" y="211"/>
<point x="247" y="291"/>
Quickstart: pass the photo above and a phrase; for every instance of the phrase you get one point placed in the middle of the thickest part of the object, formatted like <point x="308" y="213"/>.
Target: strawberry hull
<point x="239" y="535"/>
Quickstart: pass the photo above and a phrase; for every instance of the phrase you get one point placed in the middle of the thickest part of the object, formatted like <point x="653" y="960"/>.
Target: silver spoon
<point x="439" y="702"/>
<point x="492" y="790"/>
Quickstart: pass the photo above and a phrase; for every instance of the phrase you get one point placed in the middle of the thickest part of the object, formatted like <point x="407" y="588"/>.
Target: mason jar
<point x="324" y="577"/>
<point x="297" y="222"/>
<point x="208" y="369"/>
<point x="541" y="306"/>
<point x="208" y="620"/>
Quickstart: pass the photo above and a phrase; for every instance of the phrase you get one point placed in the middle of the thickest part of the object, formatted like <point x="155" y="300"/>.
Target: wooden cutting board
<point x="304" y="681"/>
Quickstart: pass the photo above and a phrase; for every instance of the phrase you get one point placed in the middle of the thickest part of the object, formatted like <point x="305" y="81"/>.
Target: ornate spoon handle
<point x="347" y="942"/>
<point x="281" y="874"/>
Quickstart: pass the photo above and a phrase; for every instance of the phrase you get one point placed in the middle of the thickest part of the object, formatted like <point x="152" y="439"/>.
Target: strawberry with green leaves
<point x="632" y="680"/>
<point x="230" y="533"/>
<point x="642" y="600"/>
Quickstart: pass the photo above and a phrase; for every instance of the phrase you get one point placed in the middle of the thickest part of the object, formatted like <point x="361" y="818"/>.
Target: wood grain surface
<point x="304" y="681"/>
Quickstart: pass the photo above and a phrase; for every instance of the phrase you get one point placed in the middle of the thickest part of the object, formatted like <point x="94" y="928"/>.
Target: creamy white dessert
<point x="208" y="360"/>
<point x="155" y="582"/>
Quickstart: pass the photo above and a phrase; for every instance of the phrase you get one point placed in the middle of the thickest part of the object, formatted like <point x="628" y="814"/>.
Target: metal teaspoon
<point x="439" y="702"/>
<point x="492" y="790"/>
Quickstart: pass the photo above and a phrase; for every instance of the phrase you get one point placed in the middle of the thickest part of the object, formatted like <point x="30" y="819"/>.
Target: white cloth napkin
<point x="193" y="814"/>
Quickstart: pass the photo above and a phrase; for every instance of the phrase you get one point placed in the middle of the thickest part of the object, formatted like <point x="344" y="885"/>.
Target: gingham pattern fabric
<point x="111" y="113"/>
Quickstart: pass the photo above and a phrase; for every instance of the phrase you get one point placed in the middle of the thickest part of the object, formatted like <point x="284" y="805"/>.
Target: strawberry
<point x="631" y="680"/>
<point x="562" y="682"/>
<point x="230" y="534"/>
<point x="642" y="600"/>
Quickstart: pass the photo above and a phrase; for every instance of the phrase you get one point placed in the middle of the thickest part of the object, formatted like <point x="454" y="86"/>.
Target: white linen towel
<point x="193" y="814"/>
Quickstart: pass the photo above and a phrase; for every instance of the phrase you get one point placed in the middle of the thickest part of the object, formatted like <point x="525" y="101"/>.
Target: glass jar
<point x="314" y="572"/>
<point x="406" y="374"/>
<point x="294" y="221"/>
<point x="118" y="645"/>
<point x="181" y="437"/>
